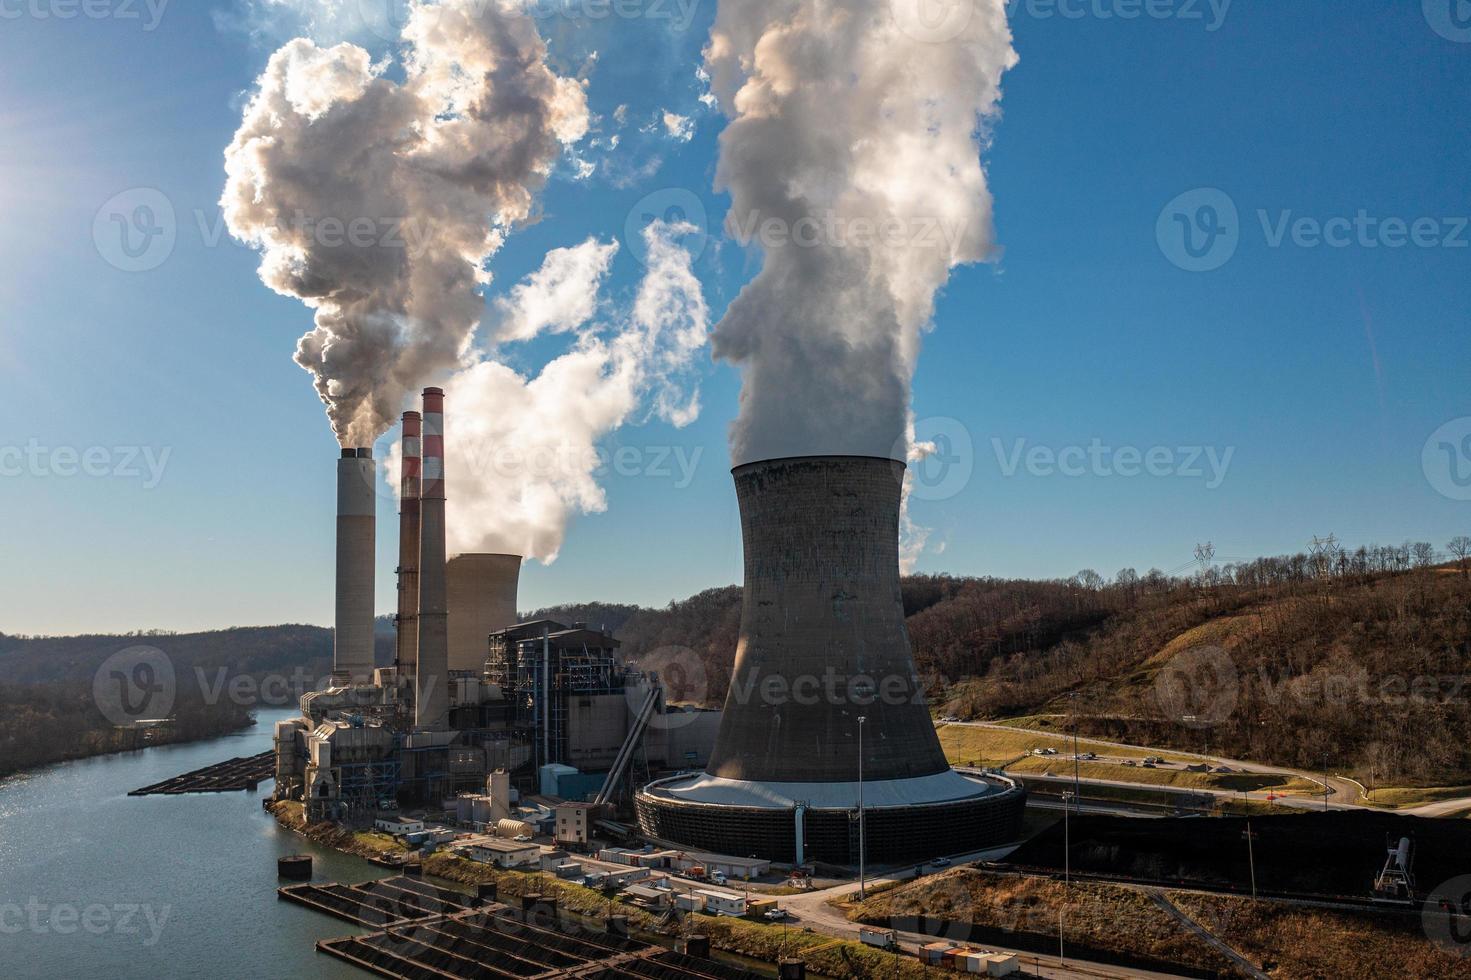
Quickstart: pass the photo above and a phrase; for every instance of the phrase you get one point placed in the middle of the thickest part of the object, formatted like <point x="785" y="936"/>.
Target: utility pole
<point x="862" y="841"/>
<point x="1250" y="836"/>
<point x="1067" y="877"/>
<point x="1077" y="780"/>
<point x="1325" y="782"/>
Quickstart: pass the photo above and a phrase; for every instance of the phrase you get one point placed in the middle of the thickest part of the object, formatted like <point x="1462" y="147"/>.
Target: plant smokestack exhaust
<point x="857" y="128"/>
<point x="378" y="203"/>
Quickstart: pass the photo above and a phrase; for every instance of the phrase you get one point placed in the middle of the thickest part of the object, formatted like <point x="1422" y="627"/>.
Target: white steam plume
<point x="853" y="157"/>
<point x="522" y="452"/>
<point x="379" y="203"/>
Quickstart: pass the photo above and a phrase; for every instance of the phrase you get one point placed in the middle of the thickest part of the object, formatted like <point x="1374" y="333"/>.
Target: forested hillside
<point x="1361" y="659"/>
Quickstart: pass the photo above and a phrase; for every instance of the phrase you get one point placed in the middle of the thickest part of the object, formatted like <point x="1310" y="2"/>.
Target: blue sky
<point x="1319" y="372"/>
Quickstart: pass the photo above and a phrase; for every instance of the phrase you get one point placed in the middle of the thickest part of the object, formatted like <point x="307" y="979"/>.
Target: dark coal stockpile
<point x="1329" y="854"/>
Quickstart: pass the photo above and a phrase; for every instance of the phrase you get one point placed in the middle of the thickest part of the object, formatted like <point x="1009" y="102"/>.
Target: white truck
<point x="881" y="938"/>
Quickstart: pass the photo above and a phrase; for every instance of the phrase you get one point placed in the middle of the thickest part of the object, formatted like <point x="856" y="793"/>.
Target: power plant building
<point x="473" y="698"/>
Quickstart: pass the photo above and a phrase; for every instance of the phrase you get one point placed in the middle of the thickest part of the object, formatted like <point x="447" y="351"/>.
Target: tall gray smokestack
<point x="823" y="639"/>
<point x="482" y="601"/>
<point x="408" y="544"/>
<point x="352" y="655"/>
<point x="432" y="679"/>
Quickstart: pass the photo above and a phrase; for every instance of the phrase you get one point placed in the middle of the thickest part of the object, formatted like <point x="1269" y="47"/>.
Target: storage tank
<point x="511" y="829"/>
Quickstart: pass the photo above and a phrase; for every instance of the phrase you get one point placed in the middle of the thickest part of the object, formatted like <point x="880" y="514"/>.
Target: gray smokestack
<point x="482" y="600"/>
<point x="823" y="639"/>
<point x="352" y="657"/>
<point x="408" y="545"/>
<point x="432" y="679"/>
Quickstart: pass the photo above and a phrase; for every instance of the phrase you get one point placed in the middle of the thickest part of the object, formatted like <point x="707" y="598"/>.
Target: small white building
<point x="571" y="827"/>
<point x="723" y="903"/>
<point x="398" y="826"/>
<point x="500" y="852"/>
<point x="654" y="898"/>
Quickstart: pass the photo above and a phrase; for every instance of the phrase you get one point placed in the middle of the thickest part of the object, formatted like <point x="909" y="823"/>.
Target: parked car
<point x="523" y="839"/>
<point x="940" y="863"/>
<point x="776" y="915"/>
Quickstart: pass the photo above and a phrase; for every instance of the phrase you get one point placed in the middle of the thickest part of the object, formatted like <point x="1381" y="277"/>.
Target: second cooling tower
<point x="482" y="601"/>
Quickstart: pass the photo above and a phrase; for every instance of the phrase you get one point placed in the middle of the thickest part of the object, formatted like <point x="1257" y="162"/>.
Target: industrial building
<point x="826" y="750"/>
<point x="476" y="707"/>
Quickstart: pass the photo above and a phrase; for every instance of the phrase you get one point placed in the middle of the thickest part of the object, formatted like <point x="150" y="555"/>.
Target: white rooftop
<point x="943" y="787"/>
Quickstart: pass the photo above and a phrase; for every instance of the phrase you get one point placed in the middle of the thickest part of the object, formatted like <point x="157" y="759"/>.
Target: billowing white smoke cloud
<point x="853" y="158"/>
<point x="379" y="203"/>
<point x="522" y="452"/>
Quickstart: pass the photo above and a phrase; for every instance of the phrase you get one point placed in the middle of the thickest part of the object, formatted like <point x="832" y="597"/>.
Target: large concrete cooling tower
<point x="431" y="702"/>
<point x="482" y="601"/>
<point x="352" y="655"/>
<point x="823" y="644"/>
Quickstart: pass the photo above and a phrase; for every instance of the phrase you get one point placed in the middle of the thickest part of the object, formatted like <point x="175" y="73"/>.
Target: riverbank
<point x="758" y="941"/>
<point x="82" y="744"/>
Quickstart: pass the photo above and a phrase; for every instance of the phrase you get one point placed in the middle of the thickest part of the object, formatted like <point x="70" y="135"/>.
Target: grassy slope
<point x="1118" y="920"/>
<point x="1305" y="944"/>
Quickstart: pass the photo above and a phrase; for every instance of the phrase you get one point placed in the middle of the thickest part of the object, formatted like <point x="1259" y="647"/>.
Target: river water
<point x="94" y="883"/>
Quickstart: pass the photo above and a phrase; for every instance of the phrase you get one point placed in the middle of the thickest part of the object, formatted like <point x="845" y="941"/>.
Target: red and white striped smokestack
<point x="408" y="545"/>
<point x="352" y="655"/>
<point x="432" y="680"/>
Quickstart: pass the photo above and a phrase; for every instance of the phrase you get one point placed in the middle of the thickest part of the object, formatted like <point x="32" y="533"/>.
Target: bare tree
<point x="1460" y="547"/>
<point x="1089" y="579"/>
<point x="1424" y="554"/>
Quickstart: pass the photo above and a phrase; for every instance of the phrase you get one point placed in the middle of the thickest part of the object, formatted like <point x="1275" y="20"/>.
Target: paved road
<point x="1345" y="793"/>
